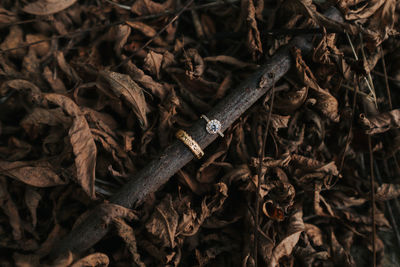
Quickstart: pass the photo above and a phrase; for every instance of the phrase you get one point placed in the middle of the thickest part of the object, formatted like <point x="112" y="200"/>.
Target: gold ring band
<point x="190" y="143"/>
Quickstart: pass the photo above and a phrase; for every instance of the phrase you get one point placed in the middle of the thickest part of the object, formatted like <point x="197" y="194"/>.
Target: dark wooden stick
<point x="177" y="155"/>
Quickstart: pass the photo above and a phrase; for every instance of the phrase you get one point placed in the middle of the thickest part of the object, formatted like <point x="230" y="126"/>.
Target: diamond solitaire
<point x="213" y="126"/>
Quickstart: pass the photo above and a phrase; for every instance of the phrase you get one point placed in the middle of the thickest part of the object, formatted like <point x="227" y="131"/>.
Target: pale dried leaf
<point x="326" y="103"/>
<point x="387" y="192"/>
<point x="32" y="198"/>
<point x="42" y="48"/>
<point x="152" y="63"/>
<point x="34" y="173"/>
<point x="253" y="35"/>
<point x="382" y="122"/>
<point x="123" y="86"/>
<point x="146" y="7"/>
<point x="10" y="209"/>
<point x="286" y="245"/>
<point x="127" y="234"/>
<point x="12" y="40"/>
<point x="47" y="7"/>
<point x="95" y="259"/>
<point x="82" y="143"/>
<point x="146" y="81"/>
<point x="164" y="222"/>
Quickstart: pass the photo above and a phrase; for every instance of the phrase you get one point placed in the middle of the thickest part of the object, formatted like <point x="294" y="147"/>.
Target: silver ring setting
<point x="213" y="126"/>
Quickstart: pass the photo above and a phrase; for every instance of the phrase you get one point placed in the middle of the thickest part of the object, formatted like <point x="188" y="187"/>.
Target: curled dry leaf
<point x="82" y="142"/>
<point x="6" y="17"/>
<point x="378" y="15"/>
<point x="164" y="222"/>
<point x="123" y="86"/>
<point x="194" y="64"/>
<point x="107" y="212"/>
<point x="152" y="63"/>
<point x="147" y="31"/>
<point x="336" y="24"/>
<point x="42" y="48"/>
<point x="95" y="259"/>
<point x="146" y="7"/>
<point x="387" y="192"/>
<point x="9" y="208"/>
<point x="13" y="39"/>
<point x="34" y="173"/>
<point x="146" y="81"/>
<point x="314" y="233"/>
<point x="382" y="122"/>
<point x="122" y="33"/>
<point x="286" y="245"/>
<point x="56" y="83"/>
<point x="253" y="35"/>
<point x="127" y="234"/>
<point x="341" y="257"/>
<point x="287" y="102"/>
<point x="47" y="7"/>
<point x="32" y="198"/>
<point x="326" y="103"/>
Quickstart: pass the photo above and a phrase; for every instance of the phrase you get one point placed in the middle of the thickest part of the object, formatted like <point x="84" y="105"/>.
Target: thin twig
<point x="370" y="86"/>
<point x="388" y="207"/>
<point x="9" y="24"/>
<point x="386" y="78"/>
<point x="155" y="36"/>
<point x="372" y="182"/>
<point x="262" y="152"/>
<point x="353" y="110"/>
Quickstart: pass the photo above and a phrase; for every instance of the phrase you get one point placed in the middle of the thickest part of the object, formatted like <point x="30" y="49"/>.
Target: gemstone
<point x="213" y="126"/>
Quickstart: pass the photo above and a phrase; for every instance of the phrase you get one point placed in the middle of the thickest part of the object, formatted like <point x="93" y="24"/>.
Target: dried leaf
<point x="14" y="39"/>
<point x="56" y="83"/>
<point x="152" y="63"/>
<point x="387" y="192"/>
<point x="326" y="103"/>
<point x="164" y="222"/>
<point x="337" y="24"/>
<point x="32" y="198"/>
<point x="253" y="35"/>
<point x="146" y="81"/>
<point x="42" y="48"/>
<point x="123" y="86"/>
<point x="34" y="173"/>
<point x="128" y="235"/>
<point x="122" y="35"/>
<point x="147" y="31"/>
<point x="10" y="209"/>
<point x="341" y="257"/>
<point x="288" y="102"/>
<point x="7" y="16"/>
<point x="382" y="122"/>
<point x="47" y="7"/>
<point x="314" y="233"/>
<point x="194" y="64"/>
<point x="82" y="143"/>
<point x="286" y="245"/>
<point x="146" y="7"/>
<point x="95" y="259"/>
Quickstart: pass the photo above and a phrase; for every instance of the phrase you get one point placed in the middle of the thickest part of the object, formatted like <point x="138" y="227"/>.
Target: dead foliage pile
<point x="91" y="91"/>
